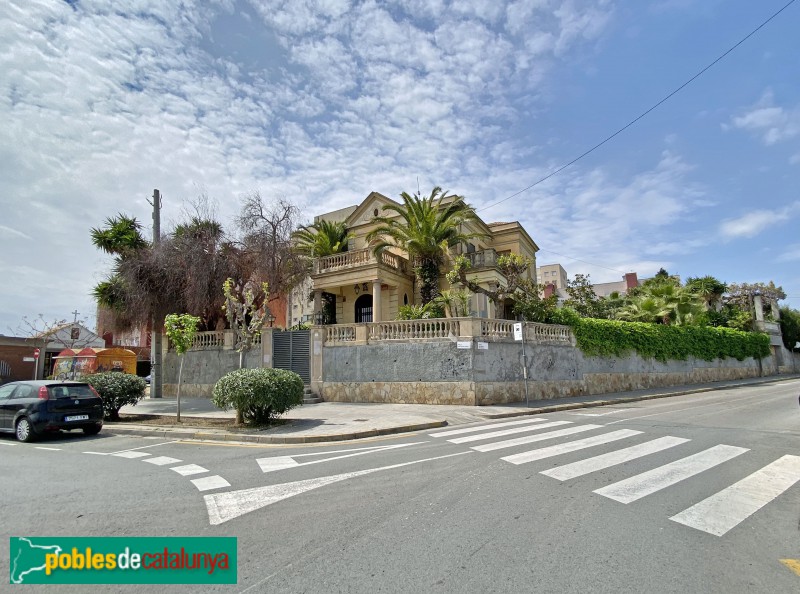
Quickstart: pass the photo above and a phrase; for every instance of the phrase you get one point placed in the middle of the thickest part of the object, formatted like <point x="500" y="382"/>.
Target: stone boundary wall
<point x="441" y="373"/>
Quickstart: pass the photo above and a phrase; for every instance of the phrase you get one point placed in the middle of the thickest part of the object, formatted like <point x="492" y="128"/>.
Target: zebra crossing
<point x="716" y="515"/>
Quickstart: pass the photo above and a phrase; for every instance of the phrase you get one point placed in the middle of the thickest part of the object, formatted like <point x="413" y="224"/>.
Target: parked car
<point x="31" y="408"/>
<point x="147" y="379"/>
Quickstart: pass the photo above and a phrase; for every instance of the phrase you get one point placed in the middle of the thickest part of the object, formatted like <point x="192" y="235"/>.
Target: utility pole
<point x="156" y="372"/>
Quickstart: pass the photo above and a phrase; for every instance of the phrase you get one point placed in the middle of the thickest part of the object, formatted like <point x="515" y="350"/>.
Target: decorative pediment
<point x="365" y="211"/>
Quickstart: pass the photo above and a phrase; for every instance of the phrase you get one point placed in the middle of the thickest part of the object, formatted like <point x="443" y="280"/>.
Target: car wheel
<point x="24" y="430"/>
<point x="93" y="430"/>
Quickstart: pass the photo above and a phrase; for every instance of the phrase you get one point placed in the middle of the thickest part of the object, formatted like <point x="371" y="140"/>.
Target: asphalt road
<point x="696" y="493"/>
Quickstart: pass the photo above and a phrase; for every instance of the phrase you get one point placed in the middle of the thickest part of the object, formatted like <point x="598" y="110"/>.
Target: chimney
<point x="631" y="280"/>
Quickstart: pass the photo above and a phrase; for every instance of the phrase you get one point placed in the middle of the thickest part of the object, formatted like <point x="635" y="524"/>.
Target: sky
<point x="324" y="101"/>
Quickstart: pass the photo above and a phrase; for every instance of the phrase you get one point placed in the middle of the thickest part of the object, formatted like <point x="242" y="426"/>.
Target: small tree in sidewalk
<point x="246" y="309"/>
<point x="181" y="330"/>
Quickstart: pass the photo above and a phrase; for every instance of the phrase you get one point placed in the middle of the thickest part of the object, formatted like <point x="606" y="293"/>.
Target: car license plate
<point x="77" y="418"/>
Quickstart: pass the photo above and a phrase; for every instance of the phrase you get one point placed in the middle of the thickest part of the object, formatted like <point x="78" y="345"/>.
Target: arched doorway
<point x="363" y="309"/>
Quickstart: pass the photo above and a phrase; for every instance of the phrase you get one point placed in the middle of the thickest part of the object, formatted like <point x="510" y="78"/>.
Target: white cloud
<point x="754" y="222"/>
<point x="771" y="123"/>
<point x="792" y="253"/>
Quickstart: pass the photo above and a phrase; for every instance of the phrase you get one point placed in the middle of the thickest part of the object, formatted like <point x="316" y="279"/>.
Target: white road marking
<point x="162" y="460"/>
<point x="720" y="400"/>
<point x="581" y="467"/>
<point x="152" y="445"/>
<point x="281" y="462"/>
<point x="210" y="482"/>
<point x="726" y="509"/>
<point x="7" y="443"/>
<point x="189" y="469"/>
<point x="510" y="443"/>
<point x="570" y="446"/>
<point x="493" y="434"/>
<point x="602" y="414"/>
<point x="131" y="454"/>
<point x="45" y="448"/>
<point x="232" y="504"/>
<point x="98" y="453"/>
<point x="643" y="484"/>
<point x="483" y="427"/>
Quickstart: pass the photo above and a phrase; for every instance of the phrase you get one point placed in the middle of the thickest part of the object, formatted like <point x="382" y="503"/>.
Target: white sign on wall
<point x="483" y="346"/>
<point x="464" y="344"/>
<point x="518" y="331"/>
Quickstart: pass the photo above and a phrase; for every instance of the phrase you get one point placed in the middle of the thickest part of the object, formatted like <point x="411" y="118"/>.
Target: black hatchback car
<point x="31" y="408"/>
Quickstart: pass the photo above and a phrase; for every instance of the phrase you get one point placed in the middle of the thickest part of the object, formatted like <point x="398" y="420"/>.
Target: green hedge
<point x="117" y="390"/>
<point x="664" y="343"/>
<point x="259" y="394"/>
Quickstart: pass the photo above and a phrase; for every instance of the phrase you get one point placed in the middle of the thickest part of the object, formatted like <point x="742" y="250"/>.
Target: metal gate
<point x="290" y="350"/>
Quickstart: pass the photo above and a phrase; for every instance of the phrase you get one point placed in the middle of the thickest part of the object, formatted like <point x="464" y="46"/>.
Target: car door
<point x="5" y="405"/>
<point x="22" y="397"/>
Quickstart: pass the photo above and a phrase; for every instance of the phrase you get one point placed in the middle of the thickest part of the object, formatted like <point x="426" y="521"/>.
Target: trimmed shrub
<point x="117" y="390"/>
<point x="664" y="343"/>
<point x="258" y="394"/>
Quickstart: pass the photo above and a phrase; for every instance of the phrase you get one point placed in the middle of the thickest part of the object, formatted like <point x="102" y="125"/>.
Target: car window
<point x="5" y="391"/>
<point x="25" y="392"/>
<point x="70" y="391"/>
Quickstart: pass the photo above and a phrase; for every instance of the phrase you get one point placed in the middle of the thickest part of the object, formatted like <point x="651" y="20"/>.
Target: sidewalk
<point x="335" y="421"/>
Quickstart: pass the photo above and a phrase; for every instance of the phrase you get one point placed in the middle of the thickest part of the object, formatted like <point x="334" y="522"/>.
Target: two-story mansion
<point x="356" y="286"/>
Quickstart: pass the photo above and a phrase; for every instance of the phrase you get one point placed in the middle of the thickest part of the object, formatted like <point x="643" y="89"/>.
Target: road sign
<point x="28" y="359"/>
<point x="518" y="331"/>
<point x="35" y="353"/>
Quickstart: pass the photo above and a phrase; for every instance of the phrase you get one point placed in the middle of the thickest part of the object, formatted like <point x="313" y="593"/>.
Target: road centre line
<point x="8" y="444"/>
<point x="153" y="445"/>
<point x="726" y="509"/>
<point x="646" y="483"/>
<point x="353" y="450"/>
<point x="695" y="407"/>
<point x="46" y="448"/>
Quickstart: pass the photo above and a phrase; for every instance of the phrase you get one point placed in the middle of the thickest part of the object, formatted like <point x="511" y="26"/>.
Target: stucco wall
<point x="202" y="369"/>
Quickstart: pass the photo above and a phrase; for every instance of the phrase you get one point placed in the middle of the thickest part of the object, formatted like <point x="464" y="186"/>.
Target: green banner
<point x="122" y="560"/>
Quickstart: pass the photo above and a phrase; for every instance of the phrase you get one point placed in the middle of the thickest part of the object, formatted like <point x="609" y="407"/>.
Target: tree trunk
<point x="239" y="419"/>
<point x="180" y="373"/>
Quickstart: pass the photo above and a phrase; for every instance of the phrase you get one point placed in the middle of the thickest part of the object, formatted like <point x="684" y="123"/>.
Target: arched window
<point x="405" y="298"/>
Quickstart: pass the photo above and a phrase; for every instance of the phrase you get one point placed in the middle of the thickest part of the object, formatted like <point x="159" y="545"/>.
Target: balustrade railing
<point x="535" y="332"/>
<point x="356" y="258"/>
<point x="340" y="333"/>
<point x="414" y="329"/>
<point x="209" y="340"/>
<point x="497" y="328"/>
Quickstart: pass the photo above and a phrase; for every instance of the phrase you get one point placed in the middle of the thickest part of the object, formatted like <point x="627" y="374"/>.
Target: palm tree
<point x="424" y="227"/>
<point x="708" y="288"/>
<point x="120" y="237"/>
<point x="323" y="238"/>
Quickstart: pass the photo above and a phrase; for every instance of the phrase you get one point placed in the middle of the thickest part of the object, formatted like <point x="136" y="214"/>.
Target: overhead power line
<point x="643" y="114"/>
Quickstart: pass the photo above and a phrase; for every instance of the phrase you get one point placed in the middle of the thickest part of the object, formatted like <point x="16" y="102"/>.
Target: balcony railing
<point x="356" y="258"/>
<point x="483" y="259"/>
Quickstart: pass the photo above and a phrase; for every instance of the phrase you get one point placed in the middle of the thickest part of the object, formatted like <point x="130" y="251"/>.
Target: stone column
<point x="376" y="301"/>
<point x="266" y="347"/>
<point x="317" y="342"/>
<point x="759" y="307"/>
<point x="317" y="305"/>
